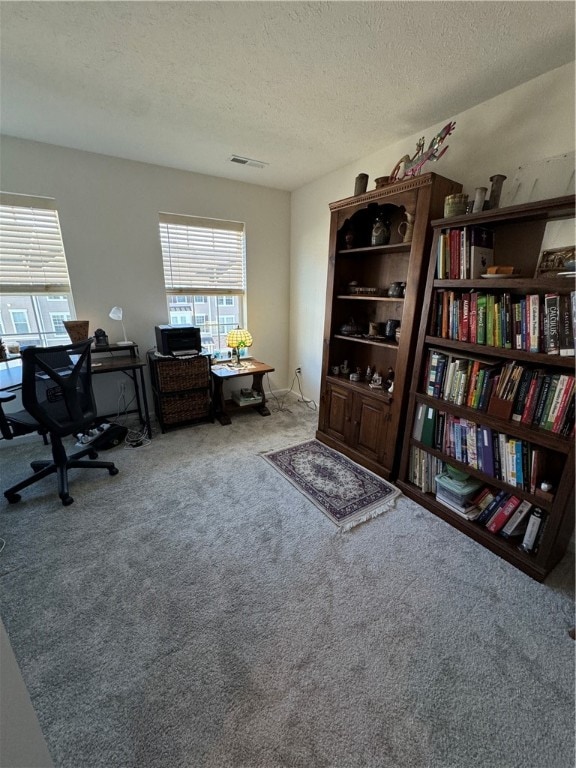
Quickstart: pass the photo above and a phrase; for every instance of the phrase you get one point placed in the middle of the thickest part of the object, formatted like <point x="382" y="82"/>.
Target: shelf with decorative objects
<point x="379" y="241"/>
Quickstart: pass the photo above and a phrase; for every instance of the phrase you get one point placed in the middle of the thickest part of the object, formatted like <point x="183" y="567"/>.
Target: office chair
<point x="57" y="395"/>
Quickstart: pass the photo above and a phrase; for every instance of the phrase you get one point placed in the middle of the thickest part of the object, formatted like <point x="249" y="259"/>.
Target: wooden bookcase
<point x="518" y="232"/>
<point x="355" y="419"/>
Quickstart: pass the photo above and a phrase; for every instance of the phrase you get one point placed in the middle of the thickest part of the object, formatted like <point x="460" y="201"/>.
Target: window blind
<point x="32" y="258"/>
<point x="202" y="255"/>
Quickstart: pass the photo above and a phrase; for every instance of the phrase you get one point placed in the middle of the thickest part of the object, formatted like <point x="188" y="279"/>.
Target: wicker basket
<point x="77" y="329"/>
<point x="177" y="409"/>
<point x="177" y="375"/>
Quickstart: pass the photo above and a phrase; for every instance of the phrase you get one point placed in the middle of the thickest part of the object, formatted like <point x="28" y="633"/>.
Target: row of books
<point x="423" y="469"/>
<point x="531" y="323"/>
<point x="529" y="395"/>
<point x="464" y="253"/>
<point x="500" y="513"/>
<point x="516" y="462"/>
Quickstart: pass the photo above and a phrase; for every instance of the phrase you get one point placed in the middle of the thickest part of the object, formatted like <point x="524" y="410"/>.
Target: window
<point x="20" y="321"/>
<point x="57" y="319"/>
<point x="181" y="318"/>
<point x="33" y="271"/>
<point x="205" y="259"/>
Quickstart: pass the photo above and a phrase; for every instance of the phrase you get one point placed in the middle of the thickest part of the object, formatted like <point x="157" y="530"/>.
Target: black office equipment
<point x="61" y="402"/>
<point x="178" y="340"/>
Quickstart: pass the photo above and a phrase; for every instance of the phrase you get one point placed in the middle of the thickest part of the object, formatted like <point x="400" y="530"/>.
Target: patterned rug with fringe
<point x="347" y="493"/>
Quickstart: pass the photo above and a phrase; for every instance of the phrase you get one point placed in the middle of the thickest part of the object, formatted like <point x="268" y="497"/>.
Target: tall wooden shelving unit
<point x="354" y="419"/>
<point x="518" y="233"/>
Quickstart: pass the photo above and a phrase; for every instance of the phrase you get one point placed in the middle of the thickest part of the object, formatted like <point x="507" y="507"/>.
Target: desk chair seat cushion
<point x="16" y="423"/>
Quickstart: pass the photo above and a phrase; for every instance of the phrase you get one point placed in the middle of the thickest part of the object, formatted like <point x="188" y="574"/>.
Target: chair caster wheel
<point x="13" y="498"/>
<point x="114" y="471"/>
<point x="92" y="455"/>
<point x="67" y="500"/>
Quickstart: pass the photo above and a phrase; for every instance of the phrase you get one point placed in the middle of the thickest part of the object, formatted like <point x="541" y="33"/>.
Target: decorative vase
<point x="360" y="184"/>
<point x="496" y="190"/>
<point x="380" y="230"/>
<point x="479" y="197"/>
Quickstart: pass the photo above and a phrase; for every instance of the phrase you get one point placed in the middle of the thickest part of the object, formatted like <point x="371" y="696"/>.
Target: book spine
<point x="521" y="395"/>
<point x="481" y="319"/>
<point x="533" y="302"/>
<point x="542" y="397"/>
<point x="502" y="516"/>
<point x="552" y="333"/>
<point x="555" y="380"/>
<point x="532" y="397"/>
<point x="516" y="519"/>
<point x="492" y="508"/>
<point x="473" y="317"/>
<point x="465" y="324"/>
<point x="534" y="523"/>
<point x="560" y="415"/>
<point x="566" y="327"/>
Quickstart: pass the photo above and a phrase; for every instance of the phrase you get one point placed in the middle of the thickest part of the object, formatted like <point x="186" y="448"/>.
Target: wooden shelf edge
<point x="525" y="284"/>
<point x="482" y="350"/>
<point x="495" y="544"/>
<point x="359" y="340"/>
<point x="541" y="437"/>
<point x="557" y="207"/>
<point x="488" y="479"/>
<point x="348" y="296"/>
<point x="360" y="386"/>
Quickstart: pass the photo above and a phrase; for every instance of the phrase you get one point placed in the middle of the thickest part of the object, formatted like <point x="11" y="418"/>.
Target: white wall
<point x="515" y="134"/>
<point x="108" y="212"/>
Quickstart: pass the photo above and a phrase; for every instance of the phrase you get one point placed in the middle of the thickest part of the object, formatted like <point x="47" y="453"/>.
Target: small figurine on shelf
<point x="389" y="383"/>
<point x="369" y="374"/>
<point x="376" y="382"/>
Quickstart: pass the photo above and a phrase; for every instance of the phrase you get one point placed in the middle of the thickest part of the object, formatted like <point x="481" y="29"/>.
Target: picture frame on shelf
<point x="553" y="261"/>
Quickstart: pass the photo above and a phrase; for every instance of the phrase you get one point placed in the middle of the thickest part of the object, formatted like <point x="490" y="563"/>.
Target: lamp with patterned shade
<point x="238" y="339"/>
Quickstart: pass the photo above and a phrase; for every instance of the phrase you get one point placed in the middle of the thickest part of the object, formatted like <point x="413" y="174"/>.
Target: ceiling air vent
<point x="247" y="161"/>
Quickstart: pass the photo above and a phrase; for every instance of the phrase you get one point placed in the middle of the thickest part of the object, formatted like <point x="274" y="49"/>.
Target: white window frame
<point x="13" y="321"/>
<point x="33" y="264"/>
<point x="59" y="316"/>
<point x="205" y="259"/>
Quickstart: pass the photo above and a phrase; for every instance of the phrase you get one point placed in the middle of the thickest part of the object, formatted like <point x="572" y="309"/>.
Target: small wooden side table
<point x="225" y="372"/>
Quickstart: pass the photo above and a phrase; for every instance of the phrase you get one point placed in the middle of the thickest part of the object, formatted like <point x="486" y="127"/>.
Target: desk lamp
<point x="116" y="314"/>
<point x="237" y="340"/>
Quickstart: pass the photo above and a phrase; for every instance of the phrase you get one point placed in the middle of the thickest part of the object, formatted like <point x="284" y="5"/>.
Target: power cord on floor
<point x="134" y="438"/>
<point x="2" y="544"/>
<point x="280" y="403"/>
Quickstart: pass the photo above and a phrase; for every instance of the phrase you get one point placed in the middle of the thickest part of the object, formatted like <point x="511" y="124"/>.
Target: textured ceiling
<point x="306" y="87"/>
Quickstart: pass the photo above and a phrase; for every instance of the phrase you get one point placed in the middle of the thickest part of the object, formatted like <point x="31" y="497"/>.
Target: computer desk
<point x="114" y="362"/>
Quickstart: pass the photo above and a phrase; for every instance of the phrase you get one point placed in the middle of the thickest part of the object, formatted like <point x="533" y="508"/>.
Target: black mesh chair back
<point x="57" y="387"/>
<point x="58" y="398"/>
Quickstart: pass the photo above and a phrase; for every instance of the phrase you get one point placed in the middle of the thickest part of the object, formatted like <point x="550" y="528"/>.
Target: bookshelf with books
<point x="492" y="397"/>
<point x="374" y="290"/>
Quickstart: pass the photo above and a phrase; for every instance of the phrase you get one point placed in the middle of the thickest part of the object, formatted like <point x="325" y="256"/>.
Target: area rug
<point x="347" y="493"/>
